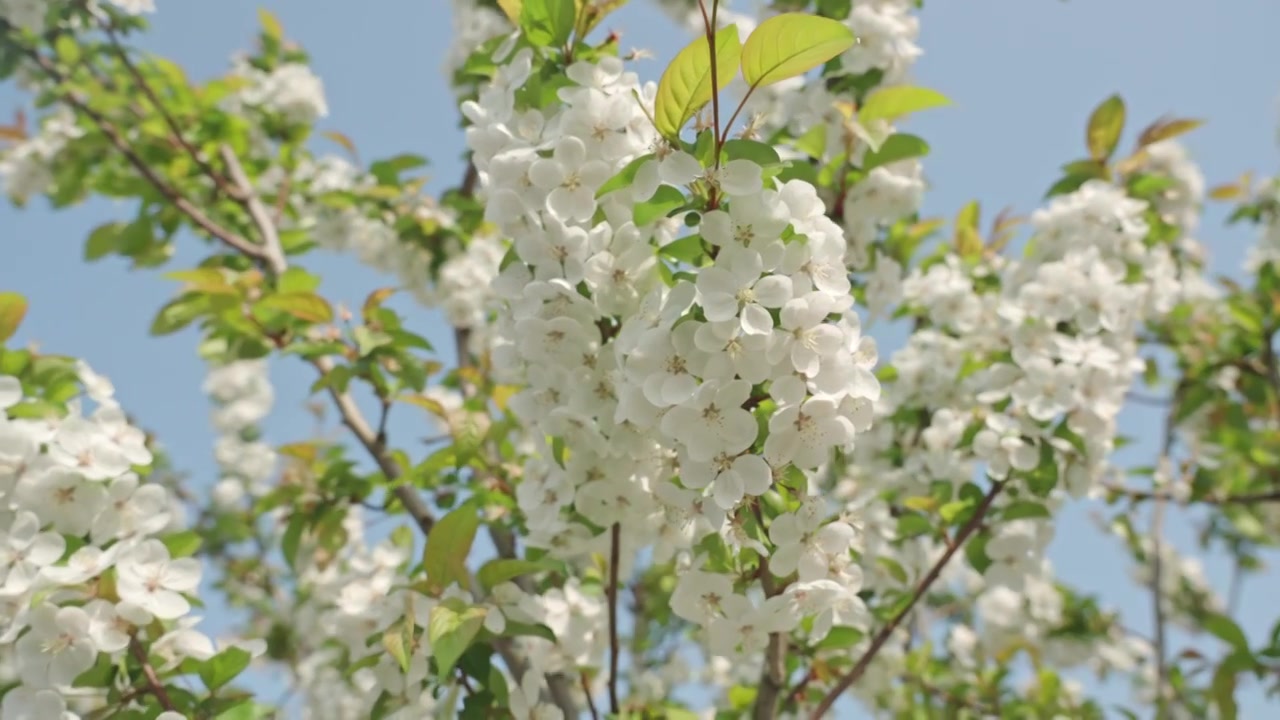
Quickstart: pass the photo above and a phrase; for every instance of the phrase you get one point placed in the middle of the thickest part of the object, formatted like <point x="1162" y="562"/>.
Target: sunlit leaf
<point x="1105" y="125"/>
<point x="685" y="86"/>
<point x="13" y="308"/>
<point x="792" y="44"/>
<point x="891" y="103"/>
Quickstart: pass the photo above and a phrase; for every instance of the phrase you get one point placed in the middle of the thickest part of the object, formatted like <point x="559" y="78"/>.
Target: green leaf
<point x="548" y="23"/>
<point x="398" y="642"/>
<point x="913" y="524"/>
<point x="625" y="176"/>
<point x="496" y="572"/>
<point x="813" y="142"/>
<point x="1105" y="125"/>
<point x="1044" y="477"/>
<point x="388" y="171"/>
<point x="663" y="202"/>
<point x="1164" y="129"/>
<point x="68" y="49"/>
<point x="792" y="44"/>
<point x="271" y="26"/>
<point x="1225" y="629"/>
<point x="305" y="306"/>
<point x="183" y="544"/>
<point x="685" y="85"/>
<point x="891" y="103"/>
<point x="953" y="510"/>
<point x="13" y="308"/>
<point x="448" y="545"/>
<point x="757" y="152"/>
<point x="687" y="249"/>
<point x="897" y="147"/>
<point x="179" y="313"/>
<point x="1223" y="691"/>
<point x="451" y="629"/>
<point x="222" y="668"/>
<point x="292" y="538"/>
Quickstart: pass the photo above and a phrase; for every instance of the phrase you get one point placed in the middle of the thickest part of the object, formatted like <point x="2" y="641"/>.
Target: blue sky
<point x="1023" y="74"/>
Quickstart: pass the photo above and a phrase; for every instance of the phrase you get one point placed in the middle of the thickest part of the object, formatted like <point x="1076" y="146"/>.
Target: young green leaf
<point x="663" y="201"/>
<point x="685" y="85"/>
<point x="1164" y="129"/>
<point x="450" y="629"/>
<point x="448" y="545"/>
<point x="1105" y="125"/>
<point x="625" y="176"/>
<point x="757" y="152"/>
<point x="512" y="9"/>
<point x="897" y="147"/>
<point x="548" y="23"/>
<point x="13" y="307"/>
<point x="222" y="668"/>
<point x="304" y="306"/>
<point x="498" y="571"/>
<point x="891" y="103"/>
<point x="792" y="44"/>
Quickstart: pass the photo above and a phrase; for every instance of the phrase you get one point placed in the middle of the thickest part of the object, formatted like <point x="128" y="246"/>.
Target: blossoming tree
<point x="693" y="466"/>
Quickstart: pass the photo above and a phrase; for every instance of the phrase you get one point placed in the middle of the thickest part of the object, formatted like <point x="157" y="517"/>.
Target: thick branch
<point x="921" y="590"/>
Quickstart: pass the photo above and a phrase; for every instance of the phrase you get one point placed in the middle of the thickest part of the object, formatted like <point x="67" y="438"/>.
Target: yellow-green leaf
<point x="511" y="8"/>
<point x="968" y="241"/>
<point x="375" y="300"/>
<point x="451" y="628"/>
<point x="342" y="140"/>
<point x="891" y="103"/>
<point x="301" y="305"/>
<point x="270" y="24"/>
<point x="179" y="313"/>
<point x="548" y="23"/>
<point x="1105" y="125"/>
<point x="921" y="503"/>
<point x="591" y="13"/>
<point x="1165" y="129"/>
<point x="393" y="640"/>
<point x="685" y="86"/>
<point x="792" y="44"/>
<point x="13" y="307"/>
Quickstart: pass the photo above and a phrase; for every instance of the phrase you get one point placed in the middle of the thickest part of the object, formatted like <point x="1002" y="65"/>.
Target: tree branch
<point x="170" y="193"/>
<point x="773" y="673"/>
<point x="615" y="557"/>
<point x="921" y="589"/>
<point x="218" y="180"/>
<point x="154" y="686"/>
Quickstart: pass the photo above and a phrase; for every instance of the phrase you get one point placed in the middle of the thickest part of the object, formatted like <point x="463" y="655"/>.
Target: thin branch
<point x="1157" y="601"/>
<point x="272" y="250"/>
<point x="615" y="557"/>
<point x="217" y="178"/>
<point x="154" y="686"/>
<point x="591" y="703"/>
<point x="1163" y="495"/>
<point x="170" y="193"/>
<point x="921" y="589"/>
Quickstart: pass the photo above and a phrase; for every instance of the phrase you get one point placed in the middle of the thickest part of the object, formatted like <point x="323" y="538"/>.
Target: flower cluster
<point x="751" y="368"/>
<point x="84" y="571"/>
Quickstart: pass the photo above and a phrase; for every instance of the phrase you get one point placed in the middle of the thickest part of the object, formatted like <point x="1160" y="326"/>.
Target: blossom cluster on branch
<point x="667" y="409"/>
